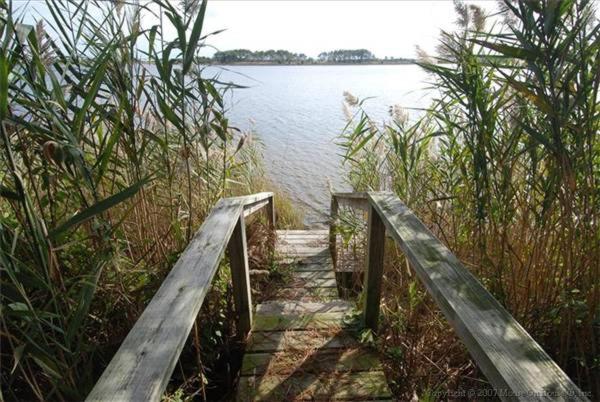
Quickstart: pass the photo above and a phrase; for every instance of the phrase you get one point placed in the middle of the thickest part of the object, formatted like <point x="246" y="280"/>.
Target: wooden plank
<point x="314" y="283"/>
<point x="254" y="202"/>
<point x="310" y="361"/>
<point x="374" y="271"/>
<point x="321" y="259"/>
<point x="308" y="260"/>
<point x="252" y="208"/>
<point x="333" y="214"/>
<point x="274" y="322"/>
<point x="251" y="198"/>
<point x="311" y="241"/>
<point x="141" y="368"/>
<point x="354" y="195"/>
<point x="308" y="294"/>
<point x="335" y="386"/>
<point x="319" y="274"/>
<point x="302" y="236"/>
<point x="301" y="250"/>
<point x="298" y="240"/>
<point x="314" y="244"/>
<point x="240" y="276"/>
<point x="299" y="340"/>
<point x="323" y="232"/>
<point x="270" y="211"/>
<point x="325" y="265"/>
<point x="509" y="357"/>
<point x="322" y="256"/>
<point x="305" y="234"/>
<point x="299" y="307"/>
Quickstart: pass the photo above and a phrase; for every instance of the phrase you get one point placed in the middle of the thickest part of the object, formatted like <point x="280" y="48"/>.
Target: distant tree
<point x="346" y="56"/>
<point x="286" y="57"/>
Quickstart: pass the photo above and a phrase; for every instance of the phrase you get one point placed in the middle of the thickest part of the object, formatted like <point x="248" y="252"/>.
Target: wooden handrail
<point x="141" y="368"/>
<point x="356" y="195"/>
<point x="513" y="362"/>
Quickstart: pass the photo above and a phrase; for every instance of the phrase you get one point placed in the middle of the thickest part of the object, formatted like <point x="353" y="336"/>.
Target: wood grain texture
<point x="355" y="195"/>
<point x="311" y="387"/>
<point x="141" y="368"/>
<point x="333" y="215"/>
<point x="270" y="211"/>
<point x="311" y="241"/>
<point x="240" y="276"/>
<point x="295" y="322"/>
<point x="511" y="359"/>
<point x="298" y="232"/>
<point x="300" y="340"/>
<point x="313" y="283"/>
<point x="300" y="307"/>
<point x="247" y="200"/>
<point x="374" y="269"/>
<point x="254" y="207"/>
<point x="311" y="361"/>
<point x="317" y="274"/>
<point x="301" y="347"/>
<point x="308" y="294"/>
<point x="302" y="250"/>
<point x="308" y="259"/>
<point x="325" y="265"/>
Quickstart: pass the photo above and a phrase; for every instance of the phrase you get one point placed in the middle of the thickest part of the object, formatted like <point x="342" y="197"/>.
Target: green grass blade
<point x="98" y="208"/>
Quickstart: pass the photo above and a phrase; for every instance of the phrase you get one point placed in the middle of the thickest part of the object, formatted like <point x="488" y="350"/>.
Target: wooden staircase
<point x="301" y="346"/>
<point x="301" y="343"/>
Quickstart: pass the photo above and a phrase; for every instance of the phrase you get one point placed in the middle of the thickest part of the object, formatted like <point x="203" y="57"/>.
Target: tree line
<point x="344" y="56"/>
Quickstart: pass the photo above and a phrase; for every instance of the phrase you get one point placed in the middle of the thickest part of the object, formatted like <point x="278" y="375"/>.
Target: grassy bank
<point x="505" y="169"/>
<point x="108" y="167"/>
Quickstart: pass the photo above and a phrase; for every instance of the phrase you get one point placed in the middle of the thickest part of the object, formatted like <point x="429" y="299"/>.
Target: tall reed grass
<point x="115" y="145"/>
<point x="505" y="168"/>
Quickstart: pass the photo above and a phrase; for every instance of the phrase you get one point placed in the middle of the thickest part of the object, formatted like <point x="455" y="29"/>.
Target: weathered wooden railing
<point x="141" y="368"/>
<point x="513" y="362"/>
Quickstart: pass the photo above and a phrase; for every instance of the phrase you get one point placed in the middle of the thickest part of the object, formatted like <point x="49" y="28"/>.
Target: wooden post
<point x="270" y="209"/>
<point x="333" y="212"/>
<point x="240" y="276"/>
<point x="374" y="272"/>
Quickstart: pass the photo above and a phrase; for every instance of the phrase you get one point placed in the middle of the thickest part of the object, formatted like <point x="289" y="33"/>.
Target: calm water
<point x="297" y="113"/>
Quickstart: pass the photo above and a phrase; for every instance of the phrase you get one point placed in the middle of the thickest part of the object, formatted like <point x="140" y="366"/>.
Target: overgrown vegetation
<point x="505" y="169"/>
<point x="108" y="167"/>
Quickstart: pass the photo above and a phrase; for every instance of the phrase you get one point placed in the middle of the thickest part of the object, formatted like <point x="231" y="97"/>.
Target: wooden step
<point x="301" y="345"/>
<point x="275" y="322"/>
<point x="300" y="340"/>
<point x="302" y="251"/>
<point x="314" y="232"/>
<point x="321" y="258"/>
<point x="310" y="361"/>
<point x="322" y="265"/>
<point x="310" y="387"/>
<point x="318" y="274"/>
<point x="313" y="283"/>
<point x="306" y="294"/>
<point x="285" y="307"/>
<point x="300" y="239"/>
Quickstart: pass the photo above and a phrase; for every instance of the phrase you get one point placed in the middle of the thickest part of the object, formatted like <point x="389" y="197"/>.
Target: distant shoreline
<point x="374" y="63"/>
<point x="266" y="64"/>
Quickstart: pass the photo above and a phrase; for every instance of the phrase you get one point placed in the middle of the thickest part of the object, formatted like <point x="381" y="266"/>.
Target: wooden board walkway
<point x="300" y="347"/>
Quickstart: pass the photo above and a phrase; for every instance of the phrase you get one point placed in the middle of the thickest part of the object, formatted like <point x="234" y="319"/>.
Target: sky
<point x="387" y="28"/>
